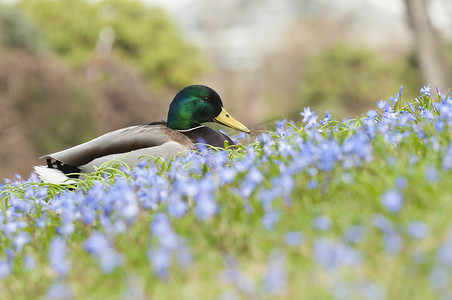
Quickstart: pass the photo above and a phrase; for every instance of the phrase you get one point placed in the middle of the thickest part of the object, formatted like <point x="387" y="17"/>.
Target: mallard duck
<point x="191" y="107"/>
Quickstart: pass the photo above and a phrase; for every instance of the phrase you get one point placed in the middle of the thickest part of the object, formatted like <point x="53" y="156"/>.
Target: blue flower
<point x="269" y="219"/>
<point x="59" y="291"/>
<point x="160" y="225"/>
<point x="439" y="125"/>
<point x="29" y="262"/>
<point x="383" y="105"/>
<point x="151" y="196"/>
<point x="20" y="240"/>
<point x="280" y="128"/>
<point x="189" y="188"/>
<point x="161" y="228"/>
<point x="57" y="256"/>
<point x="327" y="118"/>
<point x="13" y="226"/>
<point x="356" y="149"/>
<point x="282" y="186"/>
<point x="168" y="243"/>
<point x="372" y="114"/>
<point x="176" y="206"/>
<point x="293" y="238"/>
<point x="418" y="230"/>
<point x="276" y="278"/>
<point x="330" y="153"/>
<point x="427" y="115"/>
<point x="312" y="184"/>
<point x="394" y="99"/>
<point x="253" y="176"/>
<point x="431" y="174"/>
<point x="160" y="260"/>
<point x="307" y="114"/>
<point x="413" y="159"/>
<point x="110" y="226"/>
<point x="99" y="246"/>
<point x="447" y="158"/>
<point x="444" y="252"/>
<point x="206" y="207"/>
<point x="393" y="242"/>
<point x="330" y="254"/>
<point x="322" y="223"/>
<point x="88" y="214"/>
<point x="227" y="175"/>
<point x="382" y="223"/>
<point x="66" y="229"/>
<point x="242" y="281"/>
<point x="400" y="90"/>
<point x="312" y="122"/>
<point x="5" y="268"/>
<point x="354" y="234"/>
<point x="266" y="198"/>
<point x="122" y="200"/>
<point x="242" y="136"/>
<point x="20" y="205"/>
<point x="426" y="90"/>
<point x="392" y="200"/>
<point x="400" y="182"/>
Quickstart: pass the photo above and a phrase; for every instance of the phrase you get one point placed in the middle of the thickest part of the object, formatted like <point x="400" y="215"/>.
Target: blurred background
<point x="71" y="70"/>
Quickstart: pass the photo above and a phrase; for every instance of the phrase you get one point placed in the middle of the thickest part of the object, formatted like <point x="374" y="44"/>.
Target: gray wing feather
<point x="120" y="141"/>
<point x="165" y="151"/>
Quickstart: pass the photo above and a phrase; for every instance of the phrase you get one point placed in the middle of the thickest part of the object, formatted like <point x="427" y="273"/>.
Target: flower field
<point x="317" y="209"/>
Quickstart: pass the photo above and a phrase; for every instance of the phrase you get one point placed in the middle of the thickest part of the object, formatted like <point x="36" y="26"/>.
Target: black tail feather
<point x="68" y="170"/>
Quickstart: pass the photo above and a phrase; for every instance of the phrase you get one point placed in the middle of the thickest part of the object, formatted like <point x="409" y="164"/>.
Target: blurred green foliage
<point x="347" y="80"/>
<point x="16" y="31"/>
<point x="144" y="37"/>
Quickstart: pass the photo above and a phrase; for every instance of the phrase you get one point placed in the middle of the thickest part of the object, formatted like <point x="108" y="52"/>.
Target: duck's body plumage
<point x="155" y="139"/>
<point x="131" y="143"/>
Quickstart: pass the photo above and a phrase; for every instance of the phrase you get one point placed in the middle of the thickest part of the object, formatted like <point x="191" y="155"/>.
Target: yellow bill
<point x="225" y="118"/>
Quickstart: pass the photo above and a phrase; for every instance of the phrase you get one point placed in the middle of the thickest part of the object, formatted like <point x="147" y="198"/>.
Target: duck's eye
<point x="205" y="98"/>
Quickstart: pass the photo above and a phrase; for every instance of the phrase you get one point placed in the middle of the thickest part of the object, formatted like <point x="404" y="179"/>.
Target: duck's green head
<point x="197" y="104"/>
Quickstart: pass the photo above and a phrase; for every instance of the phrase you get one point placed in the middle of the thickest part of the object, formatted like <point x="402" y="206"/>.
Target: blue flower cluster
<point x="264" y="181"/>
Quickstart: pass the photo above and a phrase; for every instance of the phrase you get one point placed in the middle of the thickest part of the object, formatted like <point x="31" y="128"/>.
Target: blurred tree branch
<point x="429" y="49"/>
